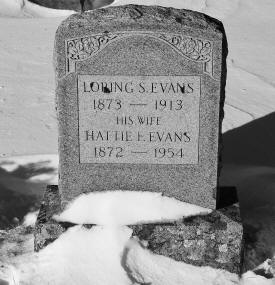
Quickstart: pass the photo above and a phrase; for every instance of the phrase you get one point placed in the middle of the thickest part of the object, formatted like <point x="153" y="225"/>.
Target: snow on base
<point x="126" y="208"/>
<point x="149" y="268"/>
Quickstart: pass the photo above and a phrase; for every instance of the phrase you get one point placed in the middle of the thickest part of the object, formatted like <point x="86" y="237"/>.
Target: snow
<point x="28" y="121"/>
<point x="8" y="273"/>
<point x="24" y="8"/>
<point x="11" y="8"/>
<point x="148" y="268"/>
<point x="12" y="163"/>
<point x="30" y="219"/>
<point x="250" y="278"/>
<point x="38" y="169"/>
<point x="250" y="97"/>
<point x="107" y="255"/>
<point x="81" y="256"/>
<point x="126" y="208"/>
<point x="34" y="10"/>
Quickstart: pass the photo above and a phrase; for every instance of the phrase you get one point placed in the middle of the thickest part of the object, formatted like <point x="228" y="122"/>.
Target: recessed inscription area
<point x="139" y="119"/>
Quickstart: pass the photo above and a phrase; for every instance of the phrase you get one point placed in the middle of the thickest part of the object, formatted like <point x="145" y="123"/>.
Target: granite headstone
<point x="140" y="92"/>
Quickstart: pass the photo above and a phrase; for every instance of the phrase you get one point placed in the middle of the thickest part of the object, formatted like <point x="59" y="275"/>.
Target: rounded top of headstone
<point x="154" y="17"/>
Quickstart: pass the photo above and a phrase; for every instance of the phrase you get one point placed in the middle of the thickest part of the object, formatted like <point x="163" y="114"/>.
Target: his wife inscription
<point x="139" y="119"/>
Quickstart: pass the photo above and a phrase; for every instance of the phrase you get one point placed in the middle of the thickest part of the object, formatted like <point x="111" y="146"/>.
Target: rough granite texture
<point x="214" y="240"/>
<point x="46" y="229"/>
<point x="136" y="40"/>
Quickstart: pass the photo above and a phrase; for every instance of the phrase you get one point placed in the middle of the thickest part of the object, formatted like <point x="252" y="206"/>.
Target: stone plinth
<point x="214" y="240"/>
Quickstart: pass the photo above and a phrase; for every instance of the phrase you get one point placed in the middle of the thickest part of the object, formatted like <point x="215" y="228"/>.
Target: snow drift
<point x="126" y="208"/>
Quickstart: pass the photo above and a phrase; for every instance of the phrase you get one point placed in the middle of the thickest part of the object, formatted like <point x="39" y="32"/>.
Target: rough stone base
<point x="46" y="228"/>
<point x="214" y="240"/>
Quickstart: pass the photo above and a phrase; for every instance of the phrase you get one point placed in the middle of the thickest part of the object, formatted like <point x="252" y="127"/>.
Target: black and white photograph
<point x="137" y="142"/>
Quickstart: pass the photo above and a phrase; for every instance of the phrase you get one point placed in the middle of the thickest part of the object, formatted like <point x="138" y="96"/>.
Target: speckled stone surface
<point x="214" y="240"/>
<point x="46" y="229"/>
<point x="141" y="41"/>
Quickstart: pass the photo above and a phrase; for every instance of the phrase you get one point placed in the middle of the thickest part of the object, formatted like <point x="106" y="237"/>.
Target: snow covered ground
<point x="105" y="254"/>
<point x="28" y="130"/>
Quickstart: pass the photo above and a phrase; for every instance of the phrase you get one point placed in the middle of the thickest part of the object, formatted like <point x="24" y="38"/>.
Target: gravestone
<point x="140" y="94"/>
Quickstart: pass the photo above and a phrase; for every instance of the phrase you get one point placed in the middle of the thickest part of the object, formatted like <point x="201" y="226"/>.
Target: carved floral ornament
<point x="192" y="48"/>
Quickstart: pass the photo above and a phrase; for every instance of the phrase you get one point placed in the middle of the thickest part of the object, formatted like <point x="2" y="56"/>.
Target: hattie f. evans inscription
<point x="139" y="119"/>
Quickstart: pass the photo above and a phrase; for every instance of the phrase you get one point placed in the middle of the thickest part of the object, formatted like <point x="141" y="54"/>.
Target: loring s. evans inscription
<point x="140" y="119"/>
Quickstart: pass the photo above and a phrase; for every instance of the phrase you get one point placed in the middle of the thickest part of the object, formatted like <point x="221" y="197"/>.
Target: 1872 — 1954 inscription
<point x="141" y="119"/>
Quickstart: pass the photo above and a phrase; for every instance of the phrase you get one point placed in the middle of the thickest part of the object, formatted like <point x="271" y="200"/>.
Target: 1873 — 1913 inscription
<point x="141" y="119"/>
